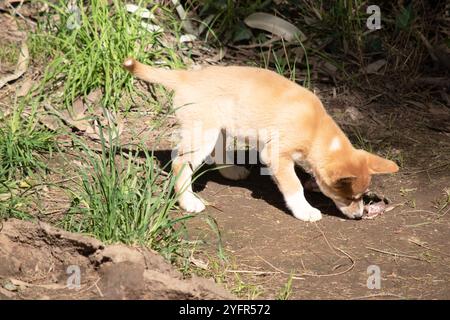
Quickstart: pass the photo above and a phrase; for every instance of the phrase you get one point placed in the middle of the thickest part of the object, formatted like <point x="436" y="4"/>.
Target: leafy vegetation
<point x="89" y="43"/>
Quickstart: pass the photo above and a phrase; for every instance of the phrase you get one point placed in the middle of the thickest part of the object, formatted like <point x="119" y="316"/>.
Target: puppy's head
<point x="347" y="177"/>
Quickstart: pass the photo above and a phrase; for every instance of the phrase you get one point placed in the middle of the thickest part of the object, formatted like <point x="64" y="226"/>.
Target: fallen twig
<point x="267" y="43"/>
<point x="51" y="286"/>
<point x="377" y="295"/>
<point x="428" y="248"/>
<point x="261" y="273"/>
<point x="433" y="81"/>
<point x="301" y="276"/>
<point x="396" y="254"/>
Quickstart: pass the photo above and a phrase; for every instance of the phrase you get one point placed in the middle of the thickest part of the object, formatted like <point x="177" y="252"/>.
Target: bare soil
<point x="330" y="258"/>
<point x="265" y="244"/>
<point x="36" y="261"/>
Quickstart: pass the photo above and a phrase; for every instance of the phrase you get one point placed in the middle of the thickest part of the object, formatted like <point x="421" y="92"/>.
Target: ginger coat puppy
<point x="288" y="121"/>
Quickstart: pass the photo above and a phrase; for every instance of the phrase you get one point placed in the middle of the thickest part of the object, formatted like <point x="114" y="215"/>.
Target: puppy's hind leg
<point x="234" y="172"/>
<point x="226" y="163"/>
<point x="193" y="150"/>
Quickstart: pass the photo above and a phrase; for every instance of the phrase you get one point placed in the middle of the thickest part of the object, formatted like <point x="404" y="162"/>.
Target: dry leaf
<point x="185" y="22"/>
<point x="375" y="66"/>
<point x="84" y="121"/>
<point x="330" y="68"/>
<point x="274" y="25"/>
<point x="151" y="27"/>
<point x="199" y="263"/>
<point x="141" y="12"/>
<point x="25" y="88"/>
<point x="219" y="56"/>
<point x="21" y="67"/>
<point x="187" y="38"/>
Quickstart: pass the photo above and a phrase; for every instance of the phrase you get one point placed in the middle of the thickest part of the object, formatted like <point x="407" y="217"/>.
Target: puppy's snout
<point x="354" y="211"/>
<point x="358" y="215"/>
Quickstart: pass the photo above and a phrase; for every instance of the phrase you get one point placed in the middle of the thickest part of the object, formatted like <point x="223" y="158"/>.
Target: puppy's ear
<point x="379" y="165"/>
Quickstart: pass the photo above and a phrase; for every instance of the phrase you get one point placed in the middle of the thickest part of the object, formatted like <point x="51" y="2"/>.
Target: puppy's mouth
<point x="354" y="210"/>
<point x="353" y="215"/>
<point x="372" y="206"/>
<point x="356" y="216"/>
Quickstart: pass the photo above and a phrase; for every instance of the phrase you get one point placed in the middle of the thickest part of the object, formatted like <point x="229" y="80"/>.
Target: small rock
<point x="8" y="285"/>
<point x="354" y="114"/>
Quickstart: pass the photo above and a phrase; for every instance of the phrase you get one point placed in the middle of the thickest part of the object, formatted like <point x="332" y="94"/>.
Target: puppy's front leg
<point x="292" y="189"/>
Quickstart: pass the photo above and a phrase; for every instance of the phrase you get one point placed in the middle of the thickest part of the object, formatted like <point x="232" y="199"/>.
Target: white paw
<point x="190" y="203"/>
<point x="301" y="209"/>
<point x="310" y="214"/>
<point x="234" y="172"/>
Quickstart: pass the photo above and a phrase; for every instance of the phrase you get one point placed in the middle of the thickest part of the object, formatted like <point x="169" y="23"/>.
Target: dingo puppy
<point x="236" y="99"/>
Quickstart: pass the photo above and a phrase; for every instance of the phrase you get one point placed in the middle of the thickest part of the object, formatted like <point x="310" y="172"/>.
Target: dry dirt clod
<point x="116" y="271"/>
<point x="8" y="285"/>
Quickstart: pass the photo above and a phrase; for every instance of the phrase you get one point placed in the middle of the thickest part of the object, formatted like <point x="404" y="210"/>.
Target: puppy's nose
<point x="358" y="215"/>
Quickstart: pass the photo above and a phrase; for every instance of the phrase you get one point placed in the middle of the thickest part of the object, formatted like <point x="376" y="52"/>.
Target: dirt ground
<point x="330" y="259"/>
<point x="264" y="243"/>
<point x="266" y="246"/>
<point x="409" y="244"/>
<point x="38" y="261"/>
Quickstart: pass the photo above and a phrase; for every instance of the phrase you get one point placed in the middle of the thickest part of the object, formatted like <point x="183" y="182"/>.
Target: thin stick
<point x="428" y="169"/>
<point x="428" y="248"/>
<point x="254" y="272"/>
<point x="326" y="240"/>
<point x="257" y="45"/>
<point x="277" y="269"/>
<point x="396" y="254"/>
<point x="301" y="275"/>
<point x="90" y="287"/>
<point x="378" y="295"/>
<point x="420" y="210"/>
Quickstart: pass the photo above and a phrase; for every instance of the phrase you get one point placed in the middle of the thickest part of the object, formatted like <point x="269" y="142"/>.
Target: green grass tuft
<point x="124" y="198"/>
<point x="87" y="48"/>
<point x="22" y="142"/>
<point x="286" y="290"/>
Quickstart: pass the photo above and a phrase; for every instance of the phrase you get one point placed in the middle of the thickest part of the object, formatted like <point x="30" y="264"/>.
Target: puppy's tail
<point x="168" y="78"/>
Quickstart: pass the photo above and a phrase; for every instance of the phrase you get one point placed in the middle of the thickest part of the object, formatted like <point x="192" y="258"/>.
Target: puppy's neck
<point x="329" y="145"/>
